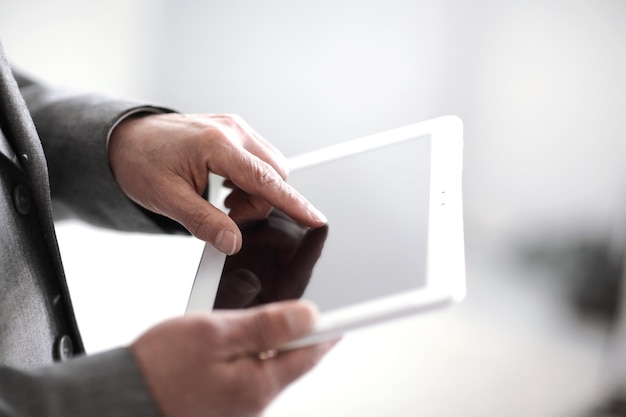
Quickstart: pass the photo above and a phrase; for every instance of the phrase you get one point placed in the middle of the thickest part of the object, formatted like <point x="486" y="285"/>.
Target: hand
<point x="162" y="162"/>
<point x="209" y="365"/>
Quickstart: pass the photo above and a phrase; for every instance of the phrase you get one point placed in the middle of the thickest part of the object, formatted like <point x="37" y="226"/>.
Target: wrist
<point x="128" y="118"/>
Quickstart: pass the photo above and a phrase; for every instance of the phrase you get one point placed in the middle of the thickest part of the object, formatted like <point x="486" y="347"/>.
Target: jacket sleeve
<point x="106" y="384"/>
<point x="74" y="129"/>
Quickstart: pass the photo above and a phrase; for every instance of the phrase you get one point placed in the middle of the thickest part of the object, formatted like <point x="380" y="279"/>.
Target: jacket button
<point x="21" y="200"/>
<point x="64" y="349"/>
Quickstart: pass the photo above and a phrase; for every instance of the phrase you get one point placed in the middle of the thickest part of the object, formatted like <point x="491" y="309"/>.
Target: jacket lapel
<point x="21" y="134"/>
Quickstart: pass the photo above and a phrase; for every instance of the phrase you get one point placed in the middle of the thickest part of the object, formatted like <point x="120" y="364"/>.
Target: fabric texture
<point x="106" y="384"/>
<point x="60" y="143"/>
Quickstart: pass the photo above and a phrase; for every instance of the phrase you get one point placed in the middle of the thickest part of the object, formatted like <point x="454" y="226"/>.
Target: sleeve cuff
<point x="131" y="112"/>
<point x="105" y="384"/>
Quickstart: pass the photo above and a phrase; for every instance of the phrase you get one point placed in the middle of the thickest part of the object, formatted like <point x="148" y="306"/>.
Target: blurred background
<point x="541" y="88"/>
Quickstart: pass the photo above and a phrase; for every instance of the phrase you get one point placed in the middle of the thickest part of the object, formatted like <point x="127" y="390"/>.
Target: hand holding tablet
<point x="393" y="245"/>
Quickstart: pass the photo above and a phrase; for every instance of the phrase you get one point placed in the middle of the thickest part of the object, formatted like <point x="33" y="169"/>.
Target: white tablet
<point x="393" y="245"/>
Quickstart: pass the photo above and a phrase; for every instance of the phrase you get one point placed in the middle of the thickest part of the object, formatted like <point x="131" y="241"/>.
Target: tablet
<point x="393" y="245"/>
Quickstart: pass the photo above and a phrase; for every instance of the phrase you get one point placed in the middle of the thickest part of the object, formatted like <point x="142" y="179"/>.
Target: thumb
<point x="202" y="219"/>
<point x="271" y="326"/>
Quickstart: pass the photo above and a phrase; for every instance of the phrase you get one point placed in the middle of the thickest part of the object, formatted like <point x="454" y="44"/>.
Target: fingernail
<point x="226" y="241"/>
<point x="317" y="215"/>
<point x="296" y="317"/>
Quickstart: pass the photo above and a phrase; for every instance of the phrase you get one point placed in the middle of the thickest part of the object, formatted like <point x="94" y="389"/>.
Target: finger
<point x="244" y="207"/>
<point x="244" y="124"/>
<point x="260" y="179"/>
<point x="262" y="148"/>
<point x="288" y="366"/>
<point x="254" y="143"/>
<point x="202" y="219"/>
<point x="271" y="326"/>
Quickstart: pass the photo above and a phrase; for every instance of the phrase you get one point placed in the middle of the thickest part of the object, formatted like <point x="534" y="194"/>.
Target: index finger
<point x="259" y="178"/>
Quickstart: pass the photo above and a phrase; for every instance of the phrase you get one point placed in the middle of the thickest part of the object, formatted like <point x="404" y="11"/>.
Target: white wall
<point x="539" y="84"/>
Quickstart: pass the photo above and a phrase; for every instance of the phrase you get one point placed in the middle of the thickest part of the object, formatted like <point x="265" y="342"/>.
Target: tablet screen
<point x="375" y="243"/>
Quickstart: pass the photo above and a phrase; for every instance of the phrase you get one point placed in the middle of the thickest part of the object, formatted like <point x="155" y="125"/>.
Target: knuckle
<point x="284" y="168"/>
<point x="199" y="224"/>
<point x="267" y="176"/>
<point x="264" y="324"/>
<point x="234" y="118"/>
<point x="203" y="330"/>
<point x="229" y="119"/>
<point x="212" y="133"/>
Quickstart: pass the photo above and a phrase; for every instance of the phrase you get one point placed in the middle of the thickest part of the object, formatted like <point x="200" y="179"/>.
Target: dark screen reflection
<point x="275" y="263"/>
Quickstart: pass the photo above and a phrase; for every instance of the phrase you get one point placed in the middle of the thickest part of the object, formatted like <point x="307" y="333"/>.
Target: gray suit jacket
<point x="60" y="142"/>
